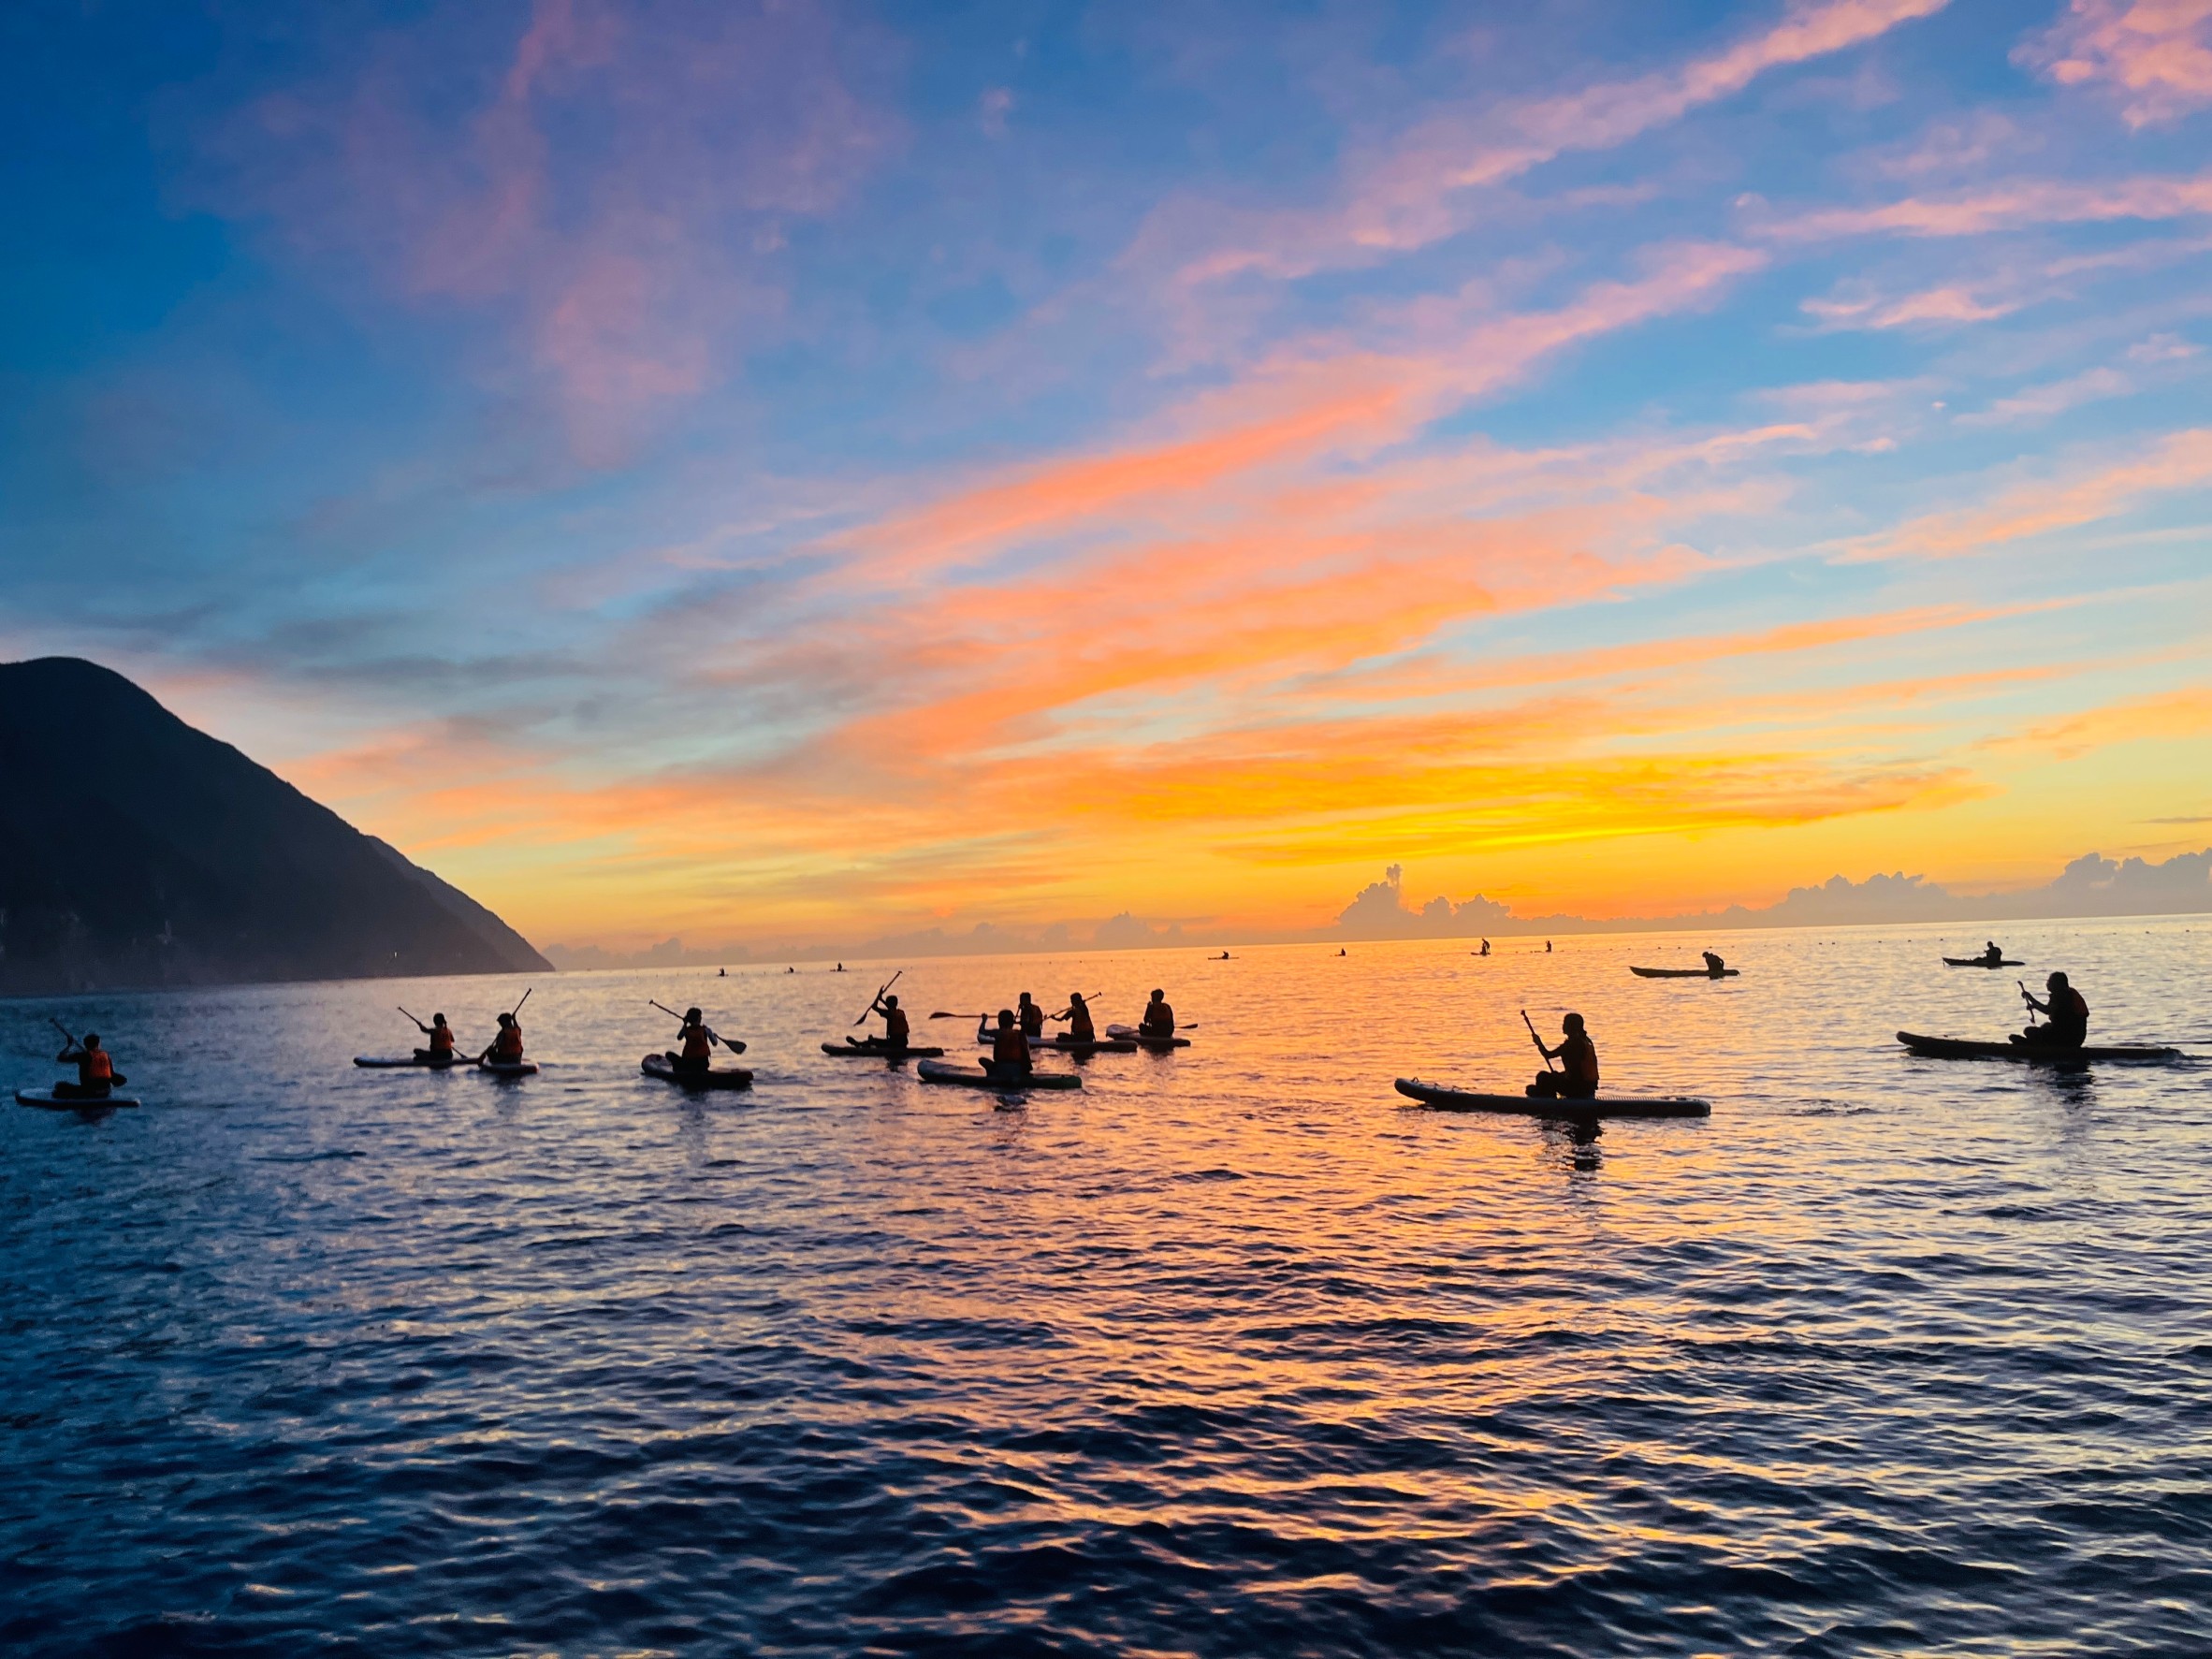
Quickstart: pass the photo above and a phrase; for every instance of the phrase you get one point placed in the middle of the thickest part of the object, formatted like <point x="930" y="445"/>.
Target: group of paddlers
<point x="1017" y="1029"/>
<point x="505" y="1049"/>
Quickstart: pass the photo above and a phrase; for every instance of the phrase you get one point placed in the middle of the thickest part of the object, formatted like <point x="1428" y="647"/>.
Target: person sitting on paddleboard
<point x="896" y="1028"/>
<point x="698" y="1050"/>
<point x="1577" y="1079"/>
<point x="1078" y="1016"/>
<point x="1992" y="955"/>
<point x="2068" y="1013"/>
<point x="1713" y="965"/>
<point x="1031" y="1017"/>
<point x="506" y="1048"/>
<point x="440" y="1053"/>
<point x="1160" y="1019"/>
<point x="1010" y="1047"/>
<point x="97" y="1076"/>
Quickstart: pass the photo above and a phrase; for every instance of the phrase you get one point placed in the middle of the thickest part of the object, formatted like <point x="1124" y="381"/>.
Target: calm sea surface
<point x="1227" y="1353"/>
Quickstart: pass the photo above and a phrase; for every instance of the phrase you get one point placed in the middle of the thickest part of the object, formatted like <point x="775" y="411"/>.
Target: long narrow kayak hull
<point x="1683" y="974"/>
<point x="1068" y="1045"/>
<point x="51" y="1101"/>
<point x="373" y="1064"/>
<point x="858" y="1051"/>
<point x="1133" y="1034"/>
<point x="508" y="1068"/>
<point x="1960" y="1048"/>
<point x="732" y="1077"/>
<point x="943" y="1071"/>
<point x="1980" y="962"/>
<point x="1444" y="1099"/>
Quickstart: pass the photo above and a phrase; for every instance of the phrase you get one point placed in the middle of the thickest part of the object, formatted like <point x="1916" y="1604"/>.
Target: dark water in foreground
<point x="1225" y="1354"/>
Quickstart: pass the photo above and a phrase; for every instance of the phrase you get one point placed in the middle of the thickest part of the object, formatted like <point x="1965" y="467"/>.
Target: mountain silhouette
<point x="135" y="851"/>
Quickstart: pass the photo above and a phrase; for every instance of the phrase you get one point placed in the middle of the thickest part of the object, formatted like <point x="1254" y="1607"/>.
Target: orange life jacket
<point x="1080" y="1027"/>
<point x="1577" y="1056"/>
<point x="440" y="1040"/>
<point x="1009" y="1047"/>
<point x="896" y="1028"/>
<point x="1159" y="1020"/>
<point x="508" y="1044"/>
<point x="697" y="1045"/>
<point x="96" y="1067"/>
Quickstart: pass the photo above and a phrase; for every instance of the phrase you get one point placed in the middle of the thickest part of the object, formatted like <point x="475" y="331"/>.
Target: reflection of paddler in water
<point x="1010" y="1046"/>
<point x="1577" y="1079"/>
<point x="2067" y="1010"/>
<point x="1713" y="965"/>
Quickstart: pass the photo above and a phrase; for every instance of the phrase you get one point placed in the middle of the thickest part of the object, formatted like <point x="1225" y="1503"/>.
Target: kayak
<point x="1960" y="1048"/>
<point x="1980" y="962"/>
<point x="1524" y="1105"/>
<point x="509" y="1068"/>
<point x="1682" y="973"/>
<point x="54" y="1102"/>
<point x="732" y="1077"/>
<point x="863" y="1051"/>
<point x="1131" y="1034"/>
<point x="1068" y="1045"/>
<point x="409" y="1064"/>
<point x="943" y="1071"/>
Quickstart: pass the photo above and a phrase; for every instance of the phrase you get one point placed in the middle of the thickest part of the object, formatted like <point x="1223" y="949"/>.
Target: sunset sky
<point x="813" y="471"/>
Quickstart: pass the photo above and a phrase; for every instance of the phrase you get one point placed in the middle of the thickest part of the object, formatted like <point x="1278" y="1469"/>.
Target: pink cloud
<point x="2156" y="54"/>
<point x="2008" y="207"/>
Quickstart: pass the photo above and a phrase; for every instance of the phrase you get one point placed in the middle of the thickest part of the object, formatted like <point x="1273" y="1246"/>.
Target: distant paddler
<point x="2067" y="1010"/>
<point x="1577" y="1079"/>
<point x="1714" y="965"/>
<point x="1992" y="955"/>
<point x="1160" y="1019"/>
<point x="1010" y="1046"/>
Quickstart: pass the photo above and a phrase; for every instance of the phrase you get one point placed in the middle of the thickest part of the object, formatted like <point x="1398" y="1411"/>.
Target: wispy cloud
<point x="2154" y="55"/>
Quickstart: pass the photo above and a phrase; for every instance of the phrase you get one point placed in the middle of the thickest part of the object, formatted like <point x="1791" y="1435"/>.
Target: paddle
<point x="517" y="1007"/>
<point x="1070" y="1012"/>
<point x="712" y="1035"/>
<point x="2028" y="999"/>
<point x="63" y="1029"/>
<point x="879" y="990"/>
<point x="1537" y="1041"/>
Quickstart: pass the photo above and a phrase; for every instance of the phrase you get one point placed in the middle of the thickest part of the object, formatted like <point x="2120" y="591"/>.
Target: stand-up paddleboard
<point x="1131" y="1034"/>
<point x="54" y="1102"/>
<point x="1445" y="1099"/>
<point x="1682" y="973"/>
<point x="863" y="1051"/>
<point x="944" y="1072"/>
<point x="1961" y="1048"/>
<point x="1980" y="962"/>
<point x="509" y="1068"/>
<point x="732" y="1077"/>
<point x="411" y="1064"/>
<point x="1064" y="1045"/>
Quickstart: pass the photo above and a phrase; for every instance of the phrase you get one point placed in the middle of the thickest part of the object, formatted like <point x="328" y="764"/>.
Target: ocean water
<point x="1228" y="1353"/>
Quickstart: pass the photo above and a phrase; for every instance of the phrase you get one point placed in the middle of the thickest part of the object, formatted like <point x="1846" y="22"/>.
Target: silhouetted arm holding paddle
<point x="1547" y="1053"/>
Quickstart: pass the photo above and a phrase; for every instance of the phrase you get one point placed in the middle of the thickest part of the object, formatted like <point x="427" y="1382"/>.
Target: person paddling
<point x="1031" y="1015"/>
<point x="97" y="1076"/>
<point x="1010" y="1047"/>
<point x="1713" y="965"/>
<point x="506" y="1048"/>
<point x="1160" y="1019"/>
<point x="440" y="1053"/>
<point x="699" y="1040"/>
<point x="1992" y="955"/>
<point x="1577" y="1079"/>
<point x="2067" y="1010"/>
<point x="896" y="1028"/>
<point x="1078" y="1016"/>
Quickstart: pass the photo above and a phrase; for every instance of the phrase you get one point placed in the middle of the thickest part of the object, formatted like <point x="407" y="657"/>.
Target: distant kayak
<point x="1980" y="962"/>
<point x="409" y="1063"/>
<point x="1445" y="1099"/>
<point x="732" y="1077"/>
<point x="1961" y="1048"/>
<point x="1068" y="1045"/>
<point x="1131" y="1034"/>
<point x="509" y="1068"/>
<point x="54" y="1102"/>
<point x="943" y="1071"/>
<point x="876" y="1051"/>
<point x="1682" y="973"/>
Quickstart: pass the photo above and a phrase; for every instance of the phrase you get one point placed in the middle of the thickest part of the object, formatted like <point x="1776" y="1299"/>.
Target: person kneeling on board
<point x="698" y="1050"/>
<point x="896" y="1028"/>
<point x="1010" y="1047"/>
<point x="1713" y="965"/>
<point x="1030" y="1015"/>
<point x="2068" y="1013"/>
<point x="1160" y="1019"/>
<point x="97" y="1076"/>
<point x="1078" y="1016"/>
<point x="1577" y="1079"/>
<point x="440" y="1053"/>
<point x="506" y="1048"/>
